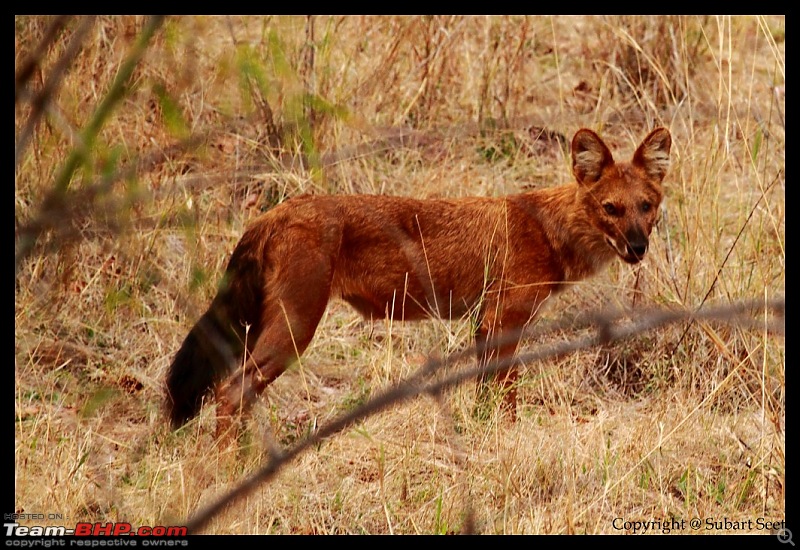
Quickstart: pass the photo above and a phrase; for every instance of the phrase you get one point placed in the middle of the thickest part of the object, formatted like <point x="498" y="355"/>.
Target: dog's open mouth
<point x="631" y="259"/>
<point x="625" y="252"/>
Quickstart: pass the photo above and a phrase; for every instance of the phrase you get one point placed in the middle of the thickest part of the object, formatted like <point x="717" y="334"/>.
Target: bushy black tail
<point x="214" y="346"/>
<point x="207" y="354"/>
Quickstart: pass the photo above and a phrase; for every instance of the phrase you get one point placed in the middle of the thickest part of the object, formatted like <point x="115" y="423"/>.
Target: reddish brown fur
<point x="496" y="258"/>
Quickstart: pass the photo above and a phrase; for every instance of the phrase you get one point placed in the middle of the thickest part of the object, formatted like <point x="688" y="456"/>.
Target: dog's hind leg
<point x="295" y="300"/>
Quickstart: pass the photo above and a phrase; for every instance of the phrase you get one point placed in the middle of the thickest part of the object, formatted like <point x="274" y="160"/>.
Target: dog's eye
<point x="610" y="209"/>
<point x="646" y="206"/>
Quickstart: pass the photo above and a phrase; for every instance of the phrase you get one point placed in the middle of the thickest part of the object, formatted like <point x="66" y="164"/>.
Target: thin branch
<point x="27" y="67"/>
<point x="725" y="260"/>
<point x="54" y="80"/>
<point x="607" y="331"/>
<point x="27" y="239"/>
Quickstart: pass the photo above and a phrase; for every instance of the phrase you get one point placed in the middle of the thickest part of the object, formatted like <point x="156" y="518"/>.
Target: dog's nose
<point x="637" y="249"/>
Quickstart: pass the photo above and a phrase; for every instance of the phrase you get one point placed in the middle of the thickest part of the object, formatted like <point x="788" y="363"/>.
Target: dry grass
<point x="224" y="117"/>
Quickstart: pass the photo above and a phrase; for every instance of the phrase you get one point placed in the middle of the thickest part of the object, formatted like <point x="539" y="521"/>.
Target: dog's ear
<point x="590" y="156"/>
<point x="653" y="153"/>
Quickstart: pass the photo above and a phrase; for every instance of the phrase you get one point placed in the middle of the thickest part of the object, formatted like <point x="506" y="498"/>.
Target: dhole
<point x="497" y="259"/>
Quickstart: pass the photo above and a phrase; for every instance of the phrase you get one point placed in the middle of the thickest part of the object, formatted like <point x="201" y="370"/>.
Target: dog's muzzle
<point x="631" y="252"/>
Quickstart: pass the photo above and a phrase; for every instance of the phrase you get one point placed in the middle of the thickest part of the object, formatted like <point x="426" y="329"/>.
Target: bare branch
<point x="27" y="67"/>
<point x="728" y="255"/>
<point x="609" y="329"/>
<point x="54" y="79"/>
<point x="27" y="239"/>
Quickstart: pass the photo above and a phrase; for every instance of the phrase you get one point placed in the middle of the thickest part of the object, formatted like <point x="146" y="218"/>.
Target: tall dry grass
<point x="224" y="117"/>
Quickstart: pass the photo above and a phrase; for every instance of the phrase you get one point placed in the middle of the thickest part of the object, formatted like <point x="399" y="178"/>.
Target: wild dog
<point x="498" y="259"/>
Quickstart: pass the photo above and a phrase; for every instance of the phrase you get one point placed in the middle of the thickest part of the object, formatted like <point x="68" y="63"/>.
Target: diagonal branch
<point x="28" y="65"/>
<point x="54" y="79"/>
<point x="27" y="239"/>
<point x="609" y="329"/>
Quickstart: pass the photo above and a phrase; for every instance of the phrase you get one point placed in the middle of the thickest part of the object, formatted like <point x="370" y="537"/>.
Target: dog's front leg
<point x="495" y="346"/>
<point x="503" y="321"/>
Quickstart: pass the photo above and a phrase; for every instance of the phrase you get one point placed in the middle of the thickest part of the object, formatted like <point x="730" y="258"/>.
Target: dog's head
<point x="621" y="200"/>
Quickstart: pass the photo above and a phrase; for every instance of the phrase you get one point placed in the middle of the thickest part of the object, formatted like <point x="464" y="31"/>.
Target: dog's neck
<point x="568" y="231"/>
